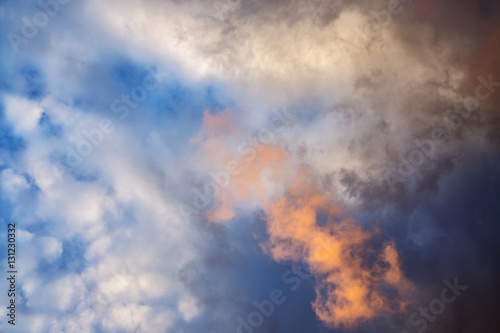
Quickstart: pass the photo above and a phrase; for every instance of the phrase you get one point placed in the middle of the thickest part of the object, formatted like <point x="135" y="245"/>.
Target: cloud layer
<point x="170" y="163"/>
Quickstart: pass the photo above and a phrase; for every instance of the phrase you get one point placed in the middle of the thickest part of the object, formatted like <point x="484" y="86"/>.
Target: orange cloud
<point x="221" y="123"/>
<point x="352" y="286"/>
<point x="350" y="291"/>
<point x="259" y="166"/>
<point x="215" y="140"/>
<point x="252" y="182"/>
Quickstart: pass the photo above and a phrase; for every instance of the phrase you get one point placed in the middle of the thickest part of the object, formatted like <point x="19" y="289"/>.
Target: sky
<point x="241" y="166"/>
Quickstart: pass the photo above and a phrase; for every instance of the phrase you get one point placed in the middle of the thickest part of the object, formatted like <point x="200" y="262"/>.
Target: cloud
<point x="362" y="95"/>
<point x="13" y="183"/>
<point x="22" y="114"/>
<point x="350" y="291"/>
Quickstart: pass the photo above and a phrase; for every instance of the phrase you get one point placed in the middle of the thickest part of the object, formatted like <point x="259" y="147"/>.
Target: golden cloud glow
<point x="353" y="277"/>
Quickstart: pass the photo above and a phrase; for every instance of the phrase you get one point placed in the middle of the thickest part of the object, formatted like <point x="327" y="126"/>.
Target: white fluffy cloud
<point x="22" y="114"/>
<point x="12" y="183"/>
